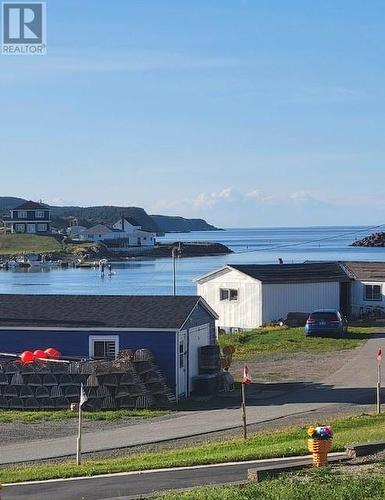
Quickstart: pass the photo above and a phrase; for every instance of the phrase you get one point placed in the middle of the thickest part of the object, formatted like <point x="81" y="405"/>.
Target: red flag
<point x="379" y="354"/>
<point x="246" y="375"/>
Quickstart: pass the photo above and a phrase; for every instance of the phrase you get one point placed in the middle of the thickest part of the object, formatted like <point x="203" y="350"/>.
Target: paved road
<point x="352" y="385"/>
<point x="133" y="485"/>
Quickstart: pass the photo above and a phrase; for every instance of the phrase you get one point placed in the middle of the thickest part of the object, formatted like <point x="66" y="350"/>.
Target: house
<point x="173" y="328"/>
<point x="249" y="296"/>
<point x="30" y="218"/>
<point x="74" y="231"/>
<point x="120" y="236"/>
<point x="367" y="287"/>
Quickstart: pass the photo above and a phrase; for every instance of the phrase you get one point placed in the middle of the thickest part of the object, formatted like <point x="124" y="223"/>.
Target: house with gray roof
<point x="247" y="296"/>
<point x="29" y="218"/>
<point x="122" y="235"/>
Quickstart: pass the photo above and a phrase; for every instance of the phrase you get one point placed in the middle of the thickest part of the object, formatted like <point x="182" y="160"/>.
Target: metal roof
<point x="294" y="273"/>
<point x="370" y="271"/>
<point x="98" y="311"/>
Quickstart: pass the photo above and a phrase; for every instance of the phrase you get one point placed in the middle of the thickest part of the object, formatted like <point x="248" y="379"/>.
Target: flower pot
<point x="320" y="449"/>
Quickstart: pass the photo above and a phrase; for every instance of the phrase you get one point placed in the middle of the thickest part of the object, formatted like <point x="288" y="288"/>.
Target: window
<point x="22" y="214"/>
<point x="42" y="227"/>
<point x="20" y="228"/>
<point x="39" y="214"/>
<point x="372" y="292"/>
<point x="324" y="316"/>
<point x="104" y="346"/>
<point x="228" y="294"/>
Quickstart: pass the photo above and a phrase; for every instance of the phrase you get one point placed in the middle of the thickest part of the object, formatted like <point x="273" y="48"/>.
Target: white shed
<point x="249" y="296"/>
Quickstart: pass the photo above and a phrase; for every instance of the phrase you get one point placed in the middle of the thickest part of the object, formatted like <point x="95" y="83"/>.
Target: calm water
<point x="154" y="276"/>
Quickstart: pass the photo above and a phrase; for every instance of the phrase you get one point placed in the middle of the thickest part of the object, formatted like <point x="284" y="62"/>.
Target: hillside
<point x="9" y="202"/>
<point x="170" y="224"/>
<point x="88" y="216"/>
<point x="12" y="244"/>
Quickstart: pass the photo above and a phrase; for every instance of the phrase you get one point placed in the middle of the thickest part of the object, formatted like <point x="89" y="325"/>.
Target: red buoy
<point x="52" y="353"/>
<point x="39" y="353"/>
<point x="27" y="357"/>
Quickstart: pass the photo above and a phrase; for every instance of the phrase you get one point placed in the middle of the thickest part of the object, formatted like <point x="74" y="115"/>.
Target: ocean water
<point x="154" y="276"/>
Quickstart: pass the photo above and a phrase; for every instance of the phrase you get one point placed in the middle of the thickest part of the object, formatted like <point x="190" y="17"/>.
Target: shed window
<point x="104" y="347"/>
<point x="228" y="294"/>
<point x="372" y="292"/>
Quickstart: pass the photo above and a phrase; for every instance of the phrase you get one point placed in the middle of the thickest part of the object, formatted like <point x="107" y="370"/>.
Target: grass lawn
<point x="321" y="484"/>
<point x="27" y="243"/>
<point x="276" y="339"/>
<point x="27" y="417"/>
<point x="282" y="443"/>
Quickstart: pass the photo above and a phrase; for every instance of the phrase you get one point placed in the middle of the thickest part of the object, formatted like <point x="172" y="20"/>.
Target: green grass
<point x="26" y="417"/>
<point x="321" y="484"/>
<point x="276" y="339"/>
<point x="11" y="244"/>
<point x="282" y="443"/>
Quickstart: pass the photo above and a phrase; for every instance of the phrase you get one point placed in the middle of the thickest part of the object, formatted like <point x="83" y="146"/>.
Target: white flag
<point x="83" y="395"/>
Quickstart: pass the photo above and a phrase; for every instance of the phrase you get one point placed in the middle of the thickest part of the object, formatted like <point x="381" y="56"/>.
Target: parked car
<point x="326" y="322"/>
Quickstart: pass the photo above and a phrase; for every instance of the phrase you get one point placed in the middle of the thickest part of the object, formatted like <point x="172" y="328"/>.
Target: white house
<point x="249" y="296"/>
<point x="367" y="288"/>
<point x="121" y="235"/>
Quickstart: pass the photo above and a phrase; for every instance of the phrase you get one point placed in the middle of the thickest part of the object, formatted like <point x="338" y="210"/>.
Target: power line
<point x="299" y="243"/>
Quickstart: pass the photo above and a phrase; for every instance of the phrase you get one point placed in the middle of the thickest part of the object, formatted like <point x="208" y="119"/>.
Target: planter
<point x="320" y="449"/>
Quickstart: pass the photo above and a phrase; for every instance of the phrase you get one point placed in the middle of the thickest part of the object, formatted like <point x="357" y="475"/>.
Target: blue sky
<point x="244" y="112"/>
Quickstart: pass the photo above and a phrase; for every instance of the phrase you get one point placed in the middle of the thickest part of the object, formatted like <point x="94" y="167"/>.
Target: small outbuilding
<point x="249" y="296"/>
<point x="94" y="326"/>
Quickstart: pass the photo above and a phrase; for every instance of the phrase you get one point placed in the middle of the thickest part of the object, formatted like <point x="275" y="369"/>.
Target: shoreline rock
<point x="373" y="240"/>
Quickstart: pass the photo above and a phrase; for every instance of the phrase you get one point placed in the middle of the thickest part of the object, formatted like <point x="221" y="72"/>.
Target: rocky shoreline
<point x="97" y="251"/>
<point x="373" y="240"/>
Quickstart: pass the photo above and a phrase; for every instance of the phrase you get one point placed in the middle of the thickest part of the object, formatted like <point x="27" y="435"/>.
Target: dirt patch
<point x="293" y="367"/>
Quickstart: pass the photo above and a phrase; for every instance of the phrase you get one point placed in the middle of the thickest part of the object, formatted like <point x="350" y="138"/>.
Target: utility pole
<point x="175" y="252"/>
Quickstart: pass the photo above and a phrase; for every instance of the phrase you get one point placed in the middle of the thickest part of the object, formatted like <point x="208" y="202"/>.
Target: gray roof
<point x="98" y="311"/>
<point x="311" y="272"/>
<point x="98" y="228"/>
<point x="31" y="205"/>
<point x="370" y="271"/>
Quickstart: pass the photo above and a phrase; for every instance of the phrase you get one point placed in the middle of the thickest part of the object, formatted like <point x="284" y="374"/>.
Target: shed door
<point x="182" y="365"/>
<point x="198" y="337"/>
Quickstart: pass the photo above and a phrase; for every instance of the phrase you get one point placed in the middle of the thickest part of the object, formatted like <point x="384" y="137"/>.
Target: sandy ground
<point x="293" y="367"/>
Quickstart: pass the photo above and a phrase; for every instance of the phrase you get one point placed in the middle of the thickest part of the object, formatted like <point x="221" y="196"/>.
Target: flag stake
<point x="245" y="380"/>
<point x="82" y="400"/>
<point x="243" y="406"/>
<point x="379" y="356"/>
<point x="79" y="438"/>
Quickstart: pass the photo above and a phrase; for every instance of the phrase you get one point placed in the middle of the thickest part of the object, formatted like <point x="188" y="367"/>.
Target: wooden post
<point x="79" y="438"/>
<point x="243" y="407"/>
<point x="379" y="386"/>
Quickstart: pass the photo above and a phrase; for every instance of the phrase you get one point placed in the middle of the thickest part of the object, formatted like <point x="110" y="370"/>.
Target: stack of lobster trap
<point x="131" y="381"/>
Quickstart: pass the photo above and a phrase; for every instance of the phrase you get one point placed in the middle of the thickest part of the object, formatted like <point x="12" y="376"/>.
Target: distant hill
<point x="9" y="202"/>
<point x="88" y="216"/>
<point x="171" y="224"/>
